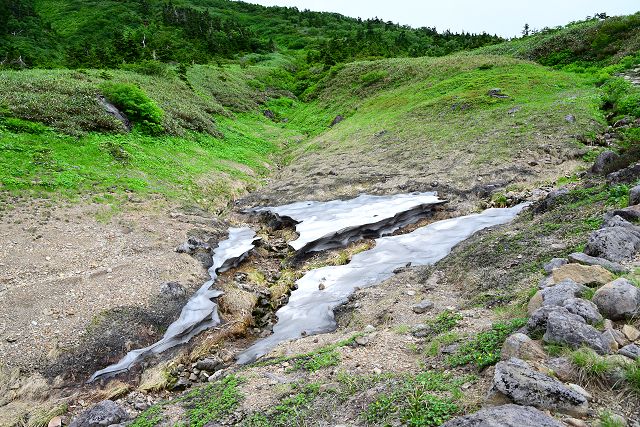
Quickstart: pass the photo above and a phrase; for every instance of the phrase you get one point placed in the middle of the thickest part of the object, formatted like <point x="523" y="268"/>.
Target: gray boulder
<point x="523" y="385"/>
<point x="584" y="259"/>
<point x="634" y="195"/>
<point x="563" y="329"/>
<point x="618" y="300"/>
<point x="538" y="320"/>
<point x="103" y="414"/>
<point x="423" y="306"/>
<point x="583" y="308"/>
<point x="630" y="213"/>
<point x="554" y="263"/>
<point x="558" y="294"/>
<point x="522" y="347"/>
<point x="632" y="351"/>
<point x="616" y="244"/>
<point x="603" y="161"/>
<point x="505" y="416"/>
<point x="626" y="175"/>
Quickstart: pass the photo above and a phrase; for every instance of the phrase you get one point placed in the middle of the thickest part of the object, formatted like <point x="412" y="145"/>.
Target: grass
<point x="427" y="399"/>
<point x="484" y="349"/>
<point x="289" y="412"/>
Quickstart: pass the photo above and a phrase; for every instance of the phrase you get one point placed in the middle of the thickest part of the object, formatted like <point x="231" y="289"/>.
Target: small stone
<point x="522" y="347"/>
<point x="377" y="371"/>
<point x="574" y="422"/>
<point x="411" y="293"/>
<point x="423" y="306"/>
<point x="362" y="340"/>
<point x="631" y="332"/>
<point x="321" y="286"/>
<point x="193" y="377"/>
<point x="369" y="329"/>
<point x="632" y="351"/>
<point x="55" y="422"/>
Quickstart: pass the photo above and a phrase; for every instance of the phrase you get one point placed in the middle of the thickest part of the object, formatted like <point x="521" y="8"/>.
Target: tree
<point x="525" y="30"/>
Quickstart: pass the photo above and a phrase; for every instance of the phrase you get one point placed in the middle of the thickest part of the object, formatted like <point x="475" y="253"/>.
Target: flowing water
<point x="310" y="307"/>
<point x="200" y="312"/>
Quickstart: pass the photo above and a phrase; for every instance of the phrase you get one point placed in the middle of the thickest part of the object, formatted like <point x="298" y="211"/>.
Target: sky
<point x="503" y="17"/>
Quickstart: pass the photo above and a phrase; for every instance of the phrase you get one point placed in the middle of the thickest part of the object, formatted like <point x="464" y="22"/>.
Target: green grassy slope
<point x="412" y="122"/>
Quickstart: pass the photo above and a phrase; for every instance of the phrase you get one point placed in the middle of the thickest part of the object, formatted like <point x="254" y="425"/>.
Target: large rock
<point x="537" y="322"/>
<point x="565" y="330"/>
<point x="590" y="275"/>
<point x="555" y="263"/>
<point x="505" y="416"/>
<point x="584" y="259"/>
<point x="618" y="300"/>
<point x="634" y="195"/>
<point x="631" y="213"/>
<point x="616" y="243"/>
<point x="523" y="385"/>
<point x="562" y="368"/>
<point x="604" y="161"/>
<point x="105" y="413"/>
<point x="632" y="351"/>
<point x="559" y="293"/>
<point x="583" y="308"/>
<point x="626" y="175"/>
<point x="522" y="347"/>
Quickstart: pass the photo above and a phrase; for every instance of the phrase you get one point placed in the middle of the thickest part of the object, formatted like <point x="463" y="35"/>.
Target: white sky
<point x="502" y="17"/>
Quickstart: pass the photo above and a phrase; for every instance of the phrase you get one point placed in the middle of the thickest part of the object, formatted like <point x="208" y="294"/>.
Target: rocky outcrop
<point x="105" y="413"/>
<point x="618" y="300"/>
<point x="584" y="259"/>
<point x="617" y="241"/>
<point x="565" y="330"/>
<point x="626" y="175"/>
<point x="583" y="308"/>
<point x="505" y="416"/>
<point x="632" y="351"/>
<point x="516" y="380"/>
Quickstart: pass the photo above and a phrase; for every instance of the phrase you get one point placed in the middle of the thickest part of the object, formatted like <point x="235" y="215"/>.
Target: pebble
<point x="411" y="293"/>
<point x="377" y="371"/>
<point x="362" y="341"/>
<point x="369" y="329"/>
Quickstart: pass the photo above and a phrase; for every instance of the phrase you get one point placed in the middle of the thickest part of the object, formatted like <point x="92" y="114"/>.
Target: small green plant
<point x="618" y="196"/>
<point x="213" y="401"/>
<point x="316" y="361"/>
<point x="22" y="126"/>
<point x="149" y="418"/>
<point x="499" y="200"/>
<point x="632" y="375"/>
<point x="607" y="419"/>
<point x="373" y="77"/>
<point x="290" y="411"/>
<point x="484" y="350"/>
<point x="444" y="322"/>
<point x="136" y="105"/>
<point x="589" y="363"/>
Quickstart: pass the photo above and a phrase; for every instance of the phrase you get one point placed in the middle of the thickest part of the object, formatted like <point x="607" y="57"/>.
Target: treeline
<point x="108" y="33"/>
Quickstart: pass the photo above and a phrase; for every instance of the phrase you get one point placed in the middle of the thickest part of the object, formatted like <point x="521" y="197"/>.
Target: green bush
<point x="148" y="68"/>
<point x="136" y="105"/>
<point x="629" y="104"/>
<point x="373" y="77"/>
<point x="22" y="126"/>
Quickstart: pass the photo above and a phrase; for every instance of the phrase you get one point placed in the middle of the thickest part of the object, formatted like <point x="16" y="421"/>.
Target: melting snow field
<point x="325" y="225"/>
<point x="310" y="310"/>
<point x="200" y="312"/>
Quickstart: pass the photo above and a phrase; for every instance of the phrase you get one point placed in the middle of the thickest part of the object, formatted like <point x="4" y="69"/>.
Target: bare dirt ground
<point x="61" y="269"/>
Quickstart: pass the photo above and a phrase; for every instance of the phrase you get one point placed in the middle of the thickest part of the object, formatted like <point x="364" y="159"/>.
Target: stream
<point x="321" y="226"/>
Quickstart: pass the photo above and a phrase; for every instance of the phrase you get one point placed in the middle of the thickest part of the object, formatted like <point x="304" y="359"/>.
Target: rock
<point x="562" y="329"/>
<point x="496" y="93"/>
<point x="574" y="422"/>
<point x="535" y="302"/>
<point x="634" y="195"/>
<point x="505" y="416"/>
<point x="524" y="386"/>
<point x="562" y="368"/>
<point x="631" y="332"/>
<point x="423" y="306"/>
<point x="538" y="320"/>
<point x="604" y="161"/>
<point x="618" y="300"/>
<point x="337" y="120"/>
<point x="269" y="114"/>
<point x="622" y="122"/>
<point x="584" y="259"/>
<point x="546" y="282"/>
<point x="630" y="213"/>
<point x="193" y="377"/>
<point x="555" y="263"/>
<point x="608" y="324"/>
<point x="632" y="351"/>
<point x="362" y="340"/>
<point x="103" y="414"/>
<point x="590" y="275"/>
<point x="172" y="290"/>
<point x="583" y="308"/>
<point x="181" y="384"/>
<point x="626" y="175"/>
<point x="609" y="340"/>
<point x="55" y="422"/>
<point x="210" y="364"/>
<point x="619" y="360"/>
<point x="522" y="347"/>
<point x="616" y="244"/>
<point x="558" y="294"/>
<point x="369" y="329"/>
<point x="582" y="391"/>
<point x="570" y="118"/>
<point x="552" y="199"/>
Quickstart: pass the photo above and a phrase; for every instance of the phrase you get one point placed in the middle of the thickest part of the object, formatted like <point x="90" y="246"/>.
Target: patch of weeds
<point x="632" y="375"/>
<point x="402" y="329"/>
<point x="553" y="350"/>
<point x="589" y="293"/>
<point x="590" y="364"/>
<point x="484" y="350"/>
<point x="318" y="360"/>
<point x="433" y="348"/>
<point x="148" y="418"/>
<point x="444" y="322"/>
<point x="618" y="196"/>
<point x="312" y="359"/>
<point x="414" y="402"/>
<point x="352" y="384"/>
<point x="290" y="411"/>
<point x="608" y="420"/>
<point x="213" y="402"/>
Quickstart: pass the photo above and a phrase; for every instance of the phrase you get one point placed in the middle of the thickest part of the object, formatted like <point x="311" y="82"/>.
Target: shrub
<point x="136" y="105"/>
<point x="148" y="68"/>
<point x="373" y="77"/>
<point x="22" y="126"/>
